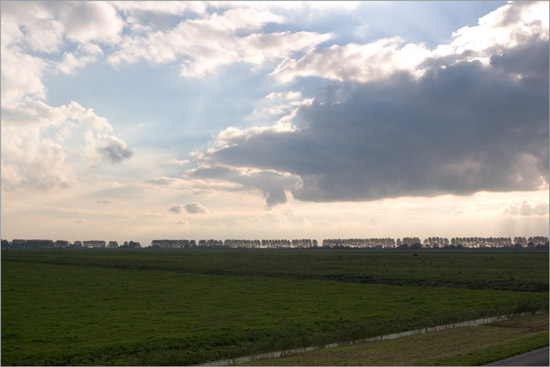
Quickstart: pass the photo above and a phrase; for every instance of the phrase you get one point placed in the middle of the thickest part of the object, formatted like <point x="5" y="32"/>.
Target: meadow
<point x="521" y="270"/>
<point x="176" y="307"/>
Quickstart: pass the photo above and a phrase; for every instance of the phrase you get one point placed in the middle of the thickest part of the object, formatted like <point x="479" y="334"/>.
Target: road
<point x="537" y="357"/>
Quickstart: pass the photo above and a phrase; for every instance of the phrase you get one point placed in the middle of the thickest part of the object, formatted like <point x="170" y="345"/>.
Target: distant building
<point x="112" y="244"/>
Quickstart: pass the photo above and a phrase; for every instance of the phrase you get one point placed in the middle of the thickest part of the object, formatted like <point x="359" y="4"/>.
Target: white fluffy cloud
<point x="506" y="27"/>
<point x="44" y="26"/>
<point x="279" y="106"/>
<point x="84" y="54"/>
<point x="41" y="143"/>
<point x="31" y="162"/>
<point x="48" y="27"/>
<point x="36" y="144"/>
<point x="205" y="44"/>
<point x="90" y="21"/>
<point x="136" y="8"/>
<point x="21" y="78"/>
<point x="353" y="62"/>
<point x="31" y="24"/>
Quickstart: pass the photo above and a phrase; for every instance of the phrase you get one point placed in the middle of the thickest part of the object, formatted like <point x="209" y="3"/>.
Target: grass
<point x="469" y="346"/>
<point x="148" y="311"/>
<point x="525" y="270"/>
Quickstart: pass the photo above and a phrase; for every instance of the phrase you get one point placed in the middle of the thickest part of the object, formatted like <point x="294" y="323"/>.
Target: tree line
<point x="372" y="243"/>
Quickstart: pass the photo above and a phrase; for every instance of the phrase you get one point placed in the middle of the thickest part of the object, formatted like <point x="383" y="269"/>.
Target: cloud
<point x="272" y="184"/>
<point x="176" y="209"/>
<point x="191" y="208"/>
<point x="85" y="54"/>
<point x="178" y="162"/>
<point x="21" y="78"/>
<point x="136" y="8"/>
<point x="353" y="62"/>
<point x="32" y="163"/>
<point x="460" y="128"/>
<point x="36" y="25"/>
<point x="40" y="145"/>
<point x="205" y="44"/>
<point x="91" y="20"/>
<point x="164" y="181"/>
<point x="276" y="105"/>
<point x="46" y="24"/>
<point x="195" y="208"/>
<point x="507" y="27"/>
<point x="46" y="27"/>
<point x="527" y="209"/>
<point x="114" y="150"/>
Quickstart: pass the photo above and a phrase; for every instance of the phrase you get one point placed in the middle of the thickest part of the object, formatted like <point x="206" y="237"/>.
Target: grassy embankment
<point x="469" y="346"/>
<point x="153" y="308"/>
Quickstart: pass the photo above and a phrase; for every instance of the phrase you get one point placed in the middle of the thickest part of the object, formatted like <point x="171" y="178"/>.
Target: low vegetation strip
<point x="286" y="353"/>
<point x="469" y="346"/>
<point x="505" y="270"/>
<point x="86" y="315"/>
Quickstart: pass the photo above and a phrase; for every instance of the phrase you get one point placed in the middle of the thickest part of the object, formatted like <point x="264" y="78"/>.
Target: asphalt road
<point x="537" y="357"/>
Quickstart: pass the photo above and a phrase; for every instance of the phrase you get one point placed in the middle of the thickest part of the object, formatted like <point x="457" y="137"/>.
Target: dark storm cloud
<point x="464" y="128"/>
<point x="271" y="184"/>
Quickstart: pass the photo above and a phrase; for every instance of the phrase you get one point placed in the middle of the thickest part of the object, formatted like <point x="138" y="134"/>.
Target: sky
<point x="274" y="120"/>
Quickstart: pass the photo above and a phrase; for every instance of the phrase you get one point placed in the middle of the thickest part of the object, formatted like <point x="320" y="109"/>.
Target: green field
<point x="155" y="307"/>
<point x="525" y="270"/>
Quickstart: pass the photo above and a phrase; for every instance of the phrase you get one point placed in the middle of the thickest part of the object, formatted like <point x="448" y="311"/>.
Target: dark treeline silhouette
<point x="19" y="243"/>
<point x="358" y="243"/>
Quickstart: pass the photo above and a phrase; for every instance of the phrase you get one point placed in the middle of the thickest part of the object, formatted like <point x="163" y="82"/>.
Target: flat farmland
<point x="525" y="270"/>
<point x="170" y="307"/>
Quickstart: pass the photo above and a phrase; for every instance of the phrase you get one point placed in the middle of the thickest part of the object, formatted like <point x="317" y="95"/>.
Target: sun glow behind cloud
<point x="257" y="125"/>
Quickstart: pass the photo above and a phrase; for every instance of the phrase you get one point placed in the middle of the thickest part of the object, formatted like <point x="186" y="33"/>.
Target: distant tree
<point x="416" y="246"/>
<point x="133" y="244"/>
